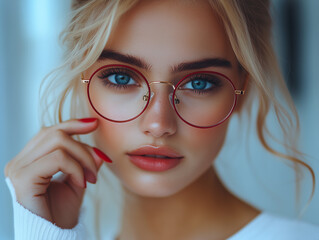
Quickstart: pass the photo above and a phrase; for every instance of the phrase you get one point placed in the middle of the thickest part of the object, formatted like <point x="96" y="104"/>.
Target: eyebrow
<point x="125" y="58"/>
<point x="204" y="63"/>
<point x="138" y="62"/>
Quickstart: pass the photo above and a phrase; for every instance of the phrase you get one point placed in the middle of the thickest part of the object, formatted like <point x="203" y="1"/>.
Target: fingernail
<point x="87" y="120"/>
<point x="102" y="155"/>
<point x="89" y="176"/>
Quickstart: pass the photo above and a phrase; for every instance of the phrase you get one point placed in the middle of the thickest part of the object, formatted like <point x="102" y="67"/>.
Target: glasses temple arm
<point x="242" y="92"/>
<point x="84" y="80"/>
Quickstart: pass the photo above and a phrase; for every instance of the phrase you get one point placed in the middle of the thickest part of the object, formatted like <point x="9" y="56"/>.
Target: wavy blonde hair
<point x="248" y="26"/>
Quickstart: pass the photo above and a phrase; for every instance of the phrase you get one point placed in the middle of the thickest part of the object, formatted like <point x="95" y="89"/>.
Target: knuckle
<point x="11" y="167"/>
<point x="21" y="181"/>
<point x="60" y="136"/>
<point x="60" y="156"/>
<point x="17" y="176"/>
<point x="44" y="130"/>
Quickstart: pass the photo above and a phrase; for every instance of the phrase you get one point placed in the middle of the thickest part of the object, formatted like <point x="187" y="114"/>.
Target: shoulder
<point x="272" y="226"/>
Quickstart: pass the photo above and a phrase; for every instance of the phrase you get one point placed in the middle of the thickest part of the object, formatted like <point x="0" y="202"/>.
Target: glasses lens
<point x="118" y="93"/>
<point x="204" y="99"/>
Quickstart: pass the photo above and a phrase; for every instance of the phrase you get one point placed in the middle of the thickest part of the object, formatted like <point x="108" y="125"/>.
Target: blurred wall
<point x="29" y="49"/>
<point x="297" y="37"/>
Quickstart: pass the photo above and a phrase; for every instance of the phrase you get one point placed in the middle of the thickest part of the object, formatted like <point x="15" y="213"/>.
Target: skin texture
<point x="159" y="125"/>
<point x="50" y="151"/>
<point x="185" y="202"/>
<point x="164" y="34"/>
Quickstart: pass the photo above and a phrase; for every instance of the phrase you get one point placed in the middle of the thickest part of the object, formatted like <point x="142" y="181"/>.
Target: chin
<point x="148" y="185"/>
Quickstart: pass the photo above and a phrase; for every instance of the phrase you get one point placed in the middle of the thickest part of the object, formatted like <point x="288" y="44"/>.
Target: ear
<point x="245" y="78"/>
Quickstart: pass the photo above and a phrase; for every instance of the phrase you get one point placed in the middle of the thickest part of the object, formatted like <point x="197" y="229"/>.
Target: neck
<point x="203" y="208"/>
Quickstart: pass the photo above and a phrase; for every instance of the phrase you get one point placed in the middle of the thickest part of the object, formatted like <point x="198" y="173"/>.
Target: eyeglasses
<point x="202" y="99"/>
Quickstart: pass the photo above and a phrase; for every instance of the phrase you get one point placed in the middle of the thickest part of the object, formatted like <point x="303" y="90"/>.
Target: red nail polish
<point x="87" y="120"/>
<point x="102" y="155"/>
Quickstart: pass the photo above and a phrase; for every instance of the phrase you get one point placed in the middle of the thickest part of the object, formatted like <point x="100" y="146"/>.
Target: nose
<point x="159" y="119"/>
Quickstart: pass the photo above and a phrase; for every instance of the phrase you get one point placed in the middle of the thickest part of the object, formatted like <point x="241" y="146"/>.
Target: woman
<point x="155" y="83"/>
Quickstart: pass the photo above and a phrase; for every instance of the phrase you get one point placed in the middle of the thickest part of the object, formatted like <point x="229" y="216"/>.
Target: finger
<point x="70" y="127"/>
<point x="77" y="150"/>
<point x="57" y="161"/>
<point x="74" y="126"/>
<point x="66" y="179"/>
<point x="97" y="159"/>
<point x="39" y="174"/>
<point x="77" y="126"/>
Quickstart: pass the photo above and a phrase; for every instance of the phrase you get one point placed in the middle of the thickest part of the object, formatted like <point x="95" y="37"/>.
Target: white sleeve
<point x="29" y="226"/>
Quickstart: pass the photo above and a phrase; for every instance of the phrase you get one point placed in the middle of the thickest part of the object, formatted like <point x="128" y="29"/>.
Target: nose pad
<point x="159" y="120"/>
<point x="176" y="100"/>
<point x="170" y="97"/>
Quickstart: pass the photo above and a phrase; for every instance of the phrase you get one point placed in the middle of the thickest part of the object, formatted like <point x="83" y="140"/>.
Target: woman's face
<point x="163" y="34"/>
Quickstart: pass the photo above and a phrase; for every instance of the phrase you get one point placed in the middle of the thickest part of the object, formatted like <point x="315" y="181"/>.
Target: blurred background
<point x="29" y="49"/>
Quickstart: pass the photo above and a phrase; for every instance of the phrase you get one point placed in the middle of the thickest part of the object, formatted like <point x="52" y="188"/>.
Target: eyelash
<point x="108" y="72"/>
<point x="215" y="81"/>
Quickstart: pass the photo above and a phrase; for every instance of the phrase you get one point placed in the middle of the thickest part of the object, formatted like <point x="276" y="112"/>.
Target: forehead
<point x="167" y="32"/>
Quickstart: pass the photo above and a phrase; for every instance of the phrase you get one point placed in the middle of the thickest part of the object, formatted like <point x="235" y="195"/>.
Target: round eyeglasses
<point x="202" y="99"/>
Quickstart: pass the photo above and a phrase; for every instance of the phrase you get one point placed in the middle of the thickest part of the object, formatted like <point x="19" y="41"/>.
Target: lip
<point x="155" y="158"/>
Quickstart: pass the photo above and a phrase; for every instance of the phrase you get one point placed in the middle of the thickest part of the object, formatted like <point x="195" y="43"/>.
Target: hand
<point x="50" y="151"/>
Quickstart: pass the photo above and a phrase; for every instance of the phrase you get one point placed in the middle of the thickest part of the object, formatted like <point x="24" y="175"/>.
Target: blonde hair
<point x="248" y="26"/>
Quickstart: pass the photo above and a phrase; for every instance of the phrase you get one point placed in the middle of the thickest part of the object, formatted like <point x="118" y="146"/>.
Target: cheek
<point x="114" y="139"/>
<point x="106" y="135"/>
<point x="205" y="144"/>
<point x="111" y="137"/>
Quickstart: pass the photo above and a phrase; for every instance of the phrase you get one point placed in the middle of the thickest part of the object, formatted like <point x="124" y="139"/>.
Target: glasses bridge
<point x="146" y="97"/>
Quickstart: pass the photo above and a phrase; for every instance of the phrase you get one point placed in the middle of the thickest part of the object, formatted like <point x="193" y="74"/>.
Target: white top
<point x="266" y="226"/>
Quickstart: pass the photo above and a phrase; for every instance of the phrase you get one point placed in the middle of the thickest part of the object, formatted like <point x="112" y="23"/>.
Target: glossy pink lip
<point x="153" y="158"/>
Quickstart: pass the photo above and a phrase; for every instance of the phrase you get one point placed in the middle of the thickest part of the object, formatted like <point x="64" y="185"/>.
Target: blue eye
<point x="202" y="83"/>
<point x="198" y="84"/>
<point x="118" y="78"/>
<point x="121" y="79"/>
